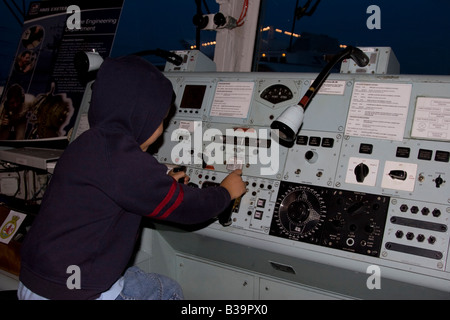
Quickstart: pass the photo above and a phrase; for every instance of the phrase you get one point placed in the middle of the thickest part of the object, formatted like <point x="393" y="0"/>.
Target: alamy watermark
<point x="74" y="20"/>
<point x="74" y="280"/>
<point x="374" y="21"/>
<point x="234" y="147"/>
<point x="374" y="280"/>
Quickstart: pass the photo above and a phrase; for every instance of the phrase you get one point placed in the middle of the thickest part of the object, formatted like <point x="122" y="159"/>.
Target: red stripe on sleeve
<point x="175" y="205"/>
<point x="165" y="201"/>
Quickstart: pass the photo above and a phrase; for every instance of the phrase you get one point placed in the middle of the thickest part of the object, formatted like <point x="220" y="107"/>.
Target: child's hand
<point x="234" y="184"/>
<point x="179" y="174"/>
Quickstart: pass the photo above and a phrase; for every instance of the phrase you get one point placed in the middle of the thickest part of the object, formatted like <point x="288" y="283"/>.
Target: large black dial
<point x="299" y="212"/>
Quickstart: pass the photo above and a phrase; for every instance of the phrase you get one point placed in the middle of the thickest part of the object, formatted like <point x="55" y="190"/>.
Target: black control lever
<point x="225" y="217"/>
<point x="354" y="53"/>
<point x="286" y="126"/>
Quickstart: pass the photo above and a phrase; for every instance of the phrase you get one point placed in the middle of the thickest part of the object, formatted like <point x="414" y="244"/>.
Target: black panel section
<point x="419" y="224"/>
<point x="414" y="250"/>
<point x="339" y="219"/>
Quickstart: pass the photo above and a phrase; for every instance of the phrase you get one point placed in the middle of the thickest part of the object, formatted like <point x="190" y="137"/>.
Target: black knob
<point x="311" y="156"/>
<point x="438" y="181"/>
<point x="361" y="171"/>
<point x="431" y="240"/>
<point x="436" y="213"/>
<point x="414" y="209"/>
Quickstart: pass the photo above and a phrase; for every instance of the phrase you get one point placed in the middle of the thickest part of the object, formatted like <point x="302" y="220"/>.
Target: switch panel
<point x="357" y="186"/>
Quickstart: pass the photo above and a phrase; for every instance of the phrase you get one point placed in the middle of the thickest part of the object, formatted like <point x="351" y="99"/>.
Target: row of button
<point x="410" y="236"/>
<point x="405" y="153"/>
<point x="425" y="211"/>
<point x="188" y="111"/>
<point x="315" y="141"/>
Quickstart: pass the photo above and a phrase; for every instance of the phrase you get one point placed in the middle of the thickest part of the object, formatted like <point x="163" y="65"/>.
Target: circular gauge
<point x="299" y="212"/>
<point x="277" y="93"/>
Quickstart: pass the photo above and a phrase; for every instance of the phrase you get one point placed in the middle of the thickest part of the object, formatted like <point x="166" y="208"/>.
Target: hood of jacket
<point x="129" y="96"/>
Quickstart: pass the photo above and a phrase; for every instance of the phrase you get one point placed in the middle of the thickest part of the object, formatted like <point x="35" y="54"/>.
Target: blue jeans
<point x="134" y="285"/>
<point x="139" y="285"/>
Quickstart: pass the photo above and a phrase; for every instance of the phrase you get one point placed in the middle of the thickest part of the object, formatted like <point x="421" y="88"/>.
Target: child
<point x="103" y="185"/>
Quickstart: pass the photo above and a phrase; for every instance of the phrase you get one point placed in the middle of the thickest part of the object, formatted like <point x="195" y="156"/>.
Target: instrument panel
<point x="367" y="179"/>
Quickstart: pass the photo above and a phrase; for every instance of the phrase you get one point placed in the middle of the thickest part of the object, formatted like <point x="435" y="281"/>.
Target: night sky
<point x="417" y="31"/>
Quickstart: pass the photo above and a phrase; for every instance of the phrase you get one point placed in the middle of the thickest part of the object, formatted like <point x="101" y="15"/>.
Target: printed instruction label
<point x="432" y="119"/>
<point x="232" y="99"/>
<point x="378" y="110"/>
<point x="332" y="87"/>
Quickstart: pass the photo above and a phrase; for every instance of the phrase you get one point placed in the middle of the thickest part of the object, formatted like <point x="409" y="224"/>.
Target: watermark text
<point x="74" y="280"/>
<point x="374" y="20"/>
<point x="234" y="147"/>
<point x="374" y="280"/>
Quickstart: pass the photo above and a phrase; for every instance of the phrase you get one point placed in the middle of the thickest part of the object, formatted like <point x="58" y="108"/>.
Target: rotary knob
<point x="361" y="171"/>
<point x="311" y="156"/>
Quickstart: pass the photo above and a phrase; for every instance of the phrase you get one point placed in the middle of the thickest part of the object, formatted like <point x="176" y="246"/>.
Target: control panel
<point x="368" y="178"/>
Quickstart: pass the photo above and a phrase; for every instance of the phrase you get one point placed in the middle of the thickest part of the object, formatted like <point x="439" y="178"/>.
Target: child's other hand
<point x="179" y="175"/>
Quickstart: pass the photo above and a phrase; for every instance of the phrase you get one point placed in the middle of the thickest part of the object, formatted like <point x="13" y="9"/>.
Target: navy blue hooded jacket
<point x="104" y="184"/>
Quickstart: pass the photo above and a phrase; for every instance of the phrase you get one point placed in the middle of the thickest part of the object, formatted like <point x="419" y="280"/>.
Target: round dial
<point x="299" y="212"/>
<point x="277" y="93"/>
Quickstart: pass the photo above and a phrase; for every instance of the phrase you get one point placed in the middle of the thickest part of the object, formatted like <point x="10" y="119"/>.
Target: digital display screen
<point x="193" y="96"/>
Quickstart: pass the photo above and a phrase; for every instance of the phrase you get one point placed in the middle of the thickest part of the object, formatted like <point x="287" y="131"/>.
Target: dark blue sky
<point x="416" y="30"/>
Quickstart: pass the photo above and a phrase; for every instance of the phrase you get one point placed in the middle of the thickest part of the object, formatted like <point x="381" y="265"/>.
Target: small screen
<point x="193" y="97"/>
